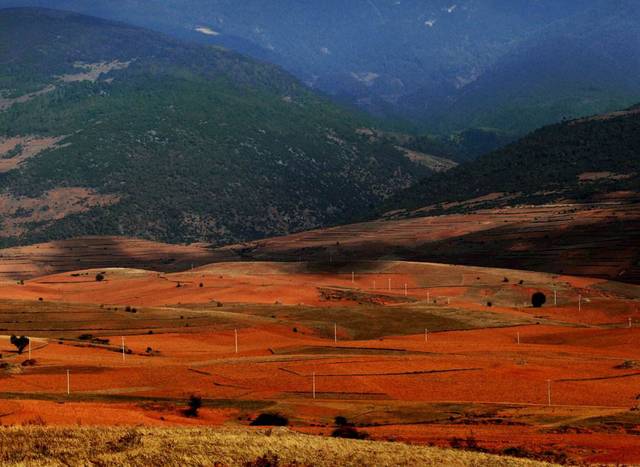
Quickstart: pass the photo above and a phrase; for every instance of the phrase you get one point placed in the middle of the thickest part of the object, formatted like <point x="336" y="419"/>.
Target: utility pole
<point x="236" y="338"/>
<point x="314" y="384"/>
<point x="68" y="384"/>
<point x="426" y="335"/>
<point x="549" y="392"/>
<point x="123" y="357"/>
<point x="335" y="333"/>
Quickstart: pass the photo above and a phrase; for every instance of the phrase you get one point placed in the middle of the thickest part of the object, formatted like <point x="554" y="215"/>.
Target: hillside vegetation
<point x="205" y="447"/>
<point x="159" y="139"/>
<point x="575" y="160"/>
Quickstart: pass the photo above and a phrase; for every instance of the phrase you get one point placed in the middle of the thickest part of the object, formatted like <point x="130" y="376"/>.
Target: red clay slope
<point x="596" y="240"/>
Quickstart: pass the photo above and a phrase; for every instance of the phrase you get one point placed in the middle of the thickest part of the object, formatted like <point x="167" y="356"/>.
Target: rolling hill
<point x="564" y="199"/>
<point x="110" y="129"/>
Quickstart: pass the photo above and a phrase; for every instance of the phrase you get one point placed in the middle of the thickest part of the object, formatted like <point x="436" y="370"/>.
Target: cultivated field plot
<point x="417" y="352"/>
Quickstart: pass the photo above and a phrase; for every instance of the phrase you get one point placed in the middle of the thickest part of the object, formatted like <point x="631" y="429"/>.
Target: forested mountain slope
<point x="110" y="129"/>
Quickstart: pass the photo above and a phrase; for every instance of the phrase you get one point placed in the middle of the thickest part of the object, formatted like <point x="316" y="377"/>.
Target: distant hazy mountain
<point x="577" y="160"/>
<point x="110" y="129"/>
<point x="449" y="64"/>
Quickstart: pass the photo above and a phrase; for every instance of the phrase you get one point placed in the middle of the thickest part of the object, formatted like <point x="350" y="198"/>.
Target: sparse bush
<point x="349" y="432"/>
<point x="195" y="402"/>
<point x="468" y="444"/>
<point x="505" y="280"/>
<point x="99" y="277"/>
<point x="201" y="285"/>
<point x="85" y="337"/>
<point x="29" y="362"/>
<point x="270" y="419"/>
<point x="19" y="342"/>
<point x="489" y="304"/>
<point x="538" y="299"/>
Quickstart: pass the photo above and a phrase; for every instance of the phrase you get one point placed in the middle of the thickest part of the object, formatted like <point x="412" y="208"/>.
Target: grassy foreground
<point x="35" y="445"/>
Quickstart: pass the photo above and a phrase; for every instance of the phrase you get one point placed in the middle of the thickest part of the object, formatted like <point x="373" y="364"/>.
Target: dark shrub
<point x="195" y="402"/>
<point x="99" y="277"/>
<point x="19" y="342"/>
<point x="270" y="419"/>
<point x="538" y="299"/>
<point x="349" y="432"/>
<point x="340" y="420"/>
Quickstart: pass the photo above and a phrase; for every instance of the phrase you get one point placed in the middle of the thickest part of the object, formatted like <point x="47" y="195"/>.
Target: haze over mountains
<point x="447" y="65"/>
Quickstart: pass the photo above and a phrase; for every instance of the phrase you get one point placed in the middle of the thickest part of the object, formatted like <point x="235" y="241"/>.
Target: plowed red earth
<point x="556" y="381"/>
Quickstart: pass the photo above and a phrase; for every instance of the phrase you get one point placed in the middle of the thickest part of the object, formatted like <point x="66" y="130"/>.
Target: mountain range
<point x="446" y="65"/>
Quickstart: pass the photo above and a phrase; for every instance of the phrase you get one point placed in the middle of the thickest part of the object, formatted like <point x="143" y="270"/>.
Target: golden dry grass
<point x="38" y="445"/>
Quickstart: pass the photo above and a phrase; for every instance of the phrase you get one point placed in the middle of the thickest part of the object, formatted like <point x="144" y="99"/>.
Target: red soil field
<point x="482" y="370"/>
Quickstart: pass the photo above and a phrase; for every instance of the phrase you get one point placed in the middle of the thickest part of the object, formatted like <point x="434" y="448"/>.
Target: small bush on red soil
<point x="99" y="277"/>
<point x="538" y="299"/>
<point x="19" y="342"/>
<point x="195" y="402"/>
<point x="340" y="421"/>
<point x="29" y="362"/>
<point x="270" y="419"/>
